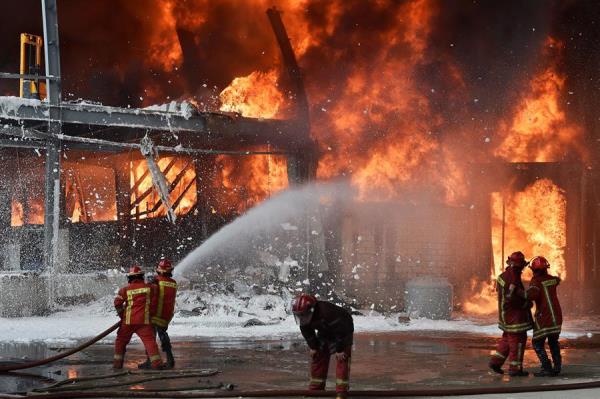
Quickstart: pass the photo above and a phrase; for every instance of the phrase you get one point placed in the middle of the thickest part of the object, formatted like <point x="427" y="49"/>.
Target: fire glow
<point x="180" y="175"/>
<point x="532" y="221"/>
<point x="253" y="96"/>
<point x="380" y="118"/>
<point x="242" y="183"/>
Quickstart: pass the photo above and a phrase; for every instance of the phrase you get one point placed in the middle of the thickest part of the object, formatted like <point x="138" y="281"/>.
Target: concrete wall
<point x="29" y="294"/>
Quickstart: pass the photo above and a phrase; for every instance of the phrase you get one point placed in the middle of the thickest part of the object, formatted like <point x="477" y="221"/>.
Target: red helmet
<point x="164" y="266"/>
<point x="303" y="307"/>
<point x="539" y="263"/>
<point x="135" y="271"/>
<point x="517" y="259"/>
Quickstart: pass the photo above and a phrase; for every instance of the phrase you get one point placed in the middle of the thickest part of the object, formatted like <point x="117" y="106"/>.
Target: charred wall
<point x="384" y="245"/>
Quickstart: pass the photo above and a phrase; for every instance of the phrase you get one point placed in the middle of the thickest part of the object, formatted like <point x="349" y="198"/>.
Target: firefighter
<point x="327" y="329"/>
<point x="514" y="317"/>
<point x="164" y="300"/>
<point x="134" y="305"/>
<point x="547" y="317"/>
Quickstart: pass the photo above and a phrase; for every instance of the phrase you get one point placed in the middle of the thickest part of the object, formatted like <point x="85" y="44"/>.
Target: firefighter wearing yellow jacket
<point x="165" y="288"/>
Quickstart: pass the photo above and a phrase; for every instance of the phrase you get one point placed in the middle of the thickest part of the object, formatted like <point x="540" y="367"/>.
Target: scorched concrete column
<point x="6" y="189"/>
<point x="205" y="175"/>
<point x="52" y="204"/>
<point x="122" y="166"/>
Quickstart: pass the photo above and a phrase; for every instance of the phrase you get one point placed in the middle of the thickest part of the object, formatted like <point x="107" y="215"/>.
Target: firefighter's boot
<point x="118" y="361"/>
<point x="556" y="358"/>
<point x="540" y="351"/>
<point x="545" y="373"/>
<point x="170" y="359"/>
<point x="496" y="368"/>
<point x="157" y="365"/>
<point x="518" y="373"/>
<point x="146" y="365"/>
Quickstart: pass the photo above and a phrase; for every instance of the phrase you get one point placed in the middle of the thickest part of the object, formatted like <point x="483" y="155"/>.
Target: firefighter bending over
<point x="165" y="292"/>
<point x="547" y="317"/>
<point x="327" y="329"/>
<point x="134" y="305"/>
<point x="514" y="318"/>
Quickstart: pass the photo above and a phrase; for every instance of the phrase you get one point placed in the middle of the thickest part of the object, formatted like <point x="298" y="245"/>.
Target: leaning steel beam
<point x="291" y="66"/>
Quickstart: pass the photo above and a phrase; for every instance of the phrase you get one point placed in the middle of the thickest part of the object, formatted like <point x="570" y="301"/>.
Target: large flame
<point x="540" y="130"/>
<point x="244" y="182"/>
<point x="380" y="130"/>
<point x="532" y="221"/>
<point x="375" y="112"/>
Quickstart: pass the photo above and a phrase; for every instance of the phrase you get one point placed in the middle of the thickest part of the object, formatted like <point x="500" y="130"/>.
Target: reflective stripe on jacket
<point x="548" y="314"/>
<point x="513" y="305"/>
<point x="166" y="292"/>
<point x="134" y="302"/>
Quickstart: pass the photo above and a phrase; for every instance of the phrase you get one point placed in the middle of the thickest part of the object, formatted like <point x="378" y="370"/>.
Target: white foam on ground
<point x="222" y="318"/>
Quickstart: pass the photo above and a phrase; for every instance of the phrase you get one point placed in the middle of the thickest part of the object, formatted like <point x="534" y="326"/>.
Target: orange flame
<point x="534" y="223"/>
<point x="16" y="216"/>
<point x="540" y="130"/>
<point x="33" y="214"/>
<point x="165" y="51"/>
<point x="245" y="182"/>
<point x="183" y="193"/>
<point x="90" y="193"/>
<point x="389" y="168"/>
<point x="253" y="96"/>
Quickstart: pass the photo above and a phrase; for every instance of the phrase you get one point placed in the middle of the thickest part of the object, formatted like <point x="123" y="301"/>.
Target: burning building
<point x="466" y="132"/>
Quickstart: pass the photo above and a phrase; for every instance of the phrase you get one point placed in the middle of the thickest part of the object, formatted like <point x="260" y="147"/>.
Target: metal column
<point x="52" y="208"/>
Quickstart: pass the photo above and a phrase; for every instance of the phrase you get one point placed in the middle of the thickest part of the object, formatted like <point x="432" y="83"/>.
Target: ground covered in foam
<point x="200" y="314"/>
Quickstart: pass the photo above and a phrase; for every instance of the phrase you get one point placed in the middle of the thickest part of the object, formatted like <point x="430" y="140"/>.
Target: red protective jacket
<point x="134" y="303"/>
<point x="165" y="293"/>
<point x="548" y="314"/>
<point x="513" y="306"/>
<point x="331" y="328"/>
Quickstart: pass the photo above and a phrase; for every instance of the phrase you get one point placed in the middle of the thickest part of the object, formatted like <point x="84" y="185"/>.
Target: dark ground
<point x="380" y="361"/>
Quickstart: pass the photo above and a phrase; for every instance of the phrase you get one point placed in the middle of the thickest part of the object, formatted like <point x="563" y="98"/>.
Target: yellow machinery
<point x="31" y="64"/>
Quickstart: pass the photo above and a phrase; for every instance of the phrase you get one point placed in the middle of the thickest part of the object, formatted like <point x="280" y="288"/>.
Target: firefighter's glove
<point x="341" y="356"/>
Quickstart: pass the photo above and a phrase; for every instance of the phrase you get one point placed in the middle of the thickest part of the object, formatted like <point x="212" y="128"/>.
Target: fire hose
<point x="277" y="393"/>
<point x="440" y="392"/>
<point x="20" y="366"/>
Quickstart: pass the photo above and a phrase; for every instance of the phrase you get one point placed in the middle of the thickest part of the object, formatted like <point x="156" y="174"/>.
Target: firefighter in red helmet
<point x="165" y="288"/>
<point x="514" y="317"/>
<point x="547" y="316"/>
<point x="134" y="305"/>
<point x="327" y="329"/>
